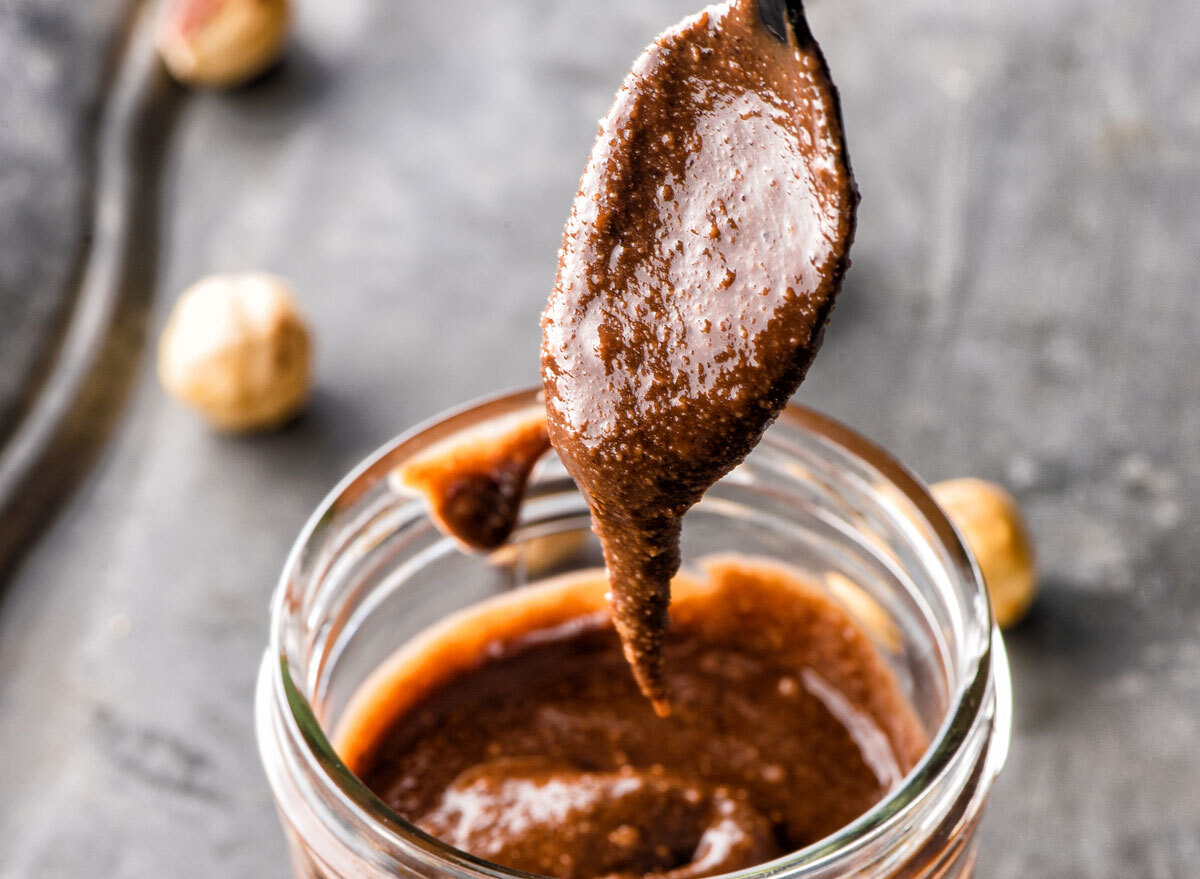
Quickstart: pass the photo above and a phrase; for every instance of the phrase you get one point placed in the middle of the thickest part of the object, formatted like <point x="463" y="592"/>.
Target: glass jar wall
<point x="370" y="571"/>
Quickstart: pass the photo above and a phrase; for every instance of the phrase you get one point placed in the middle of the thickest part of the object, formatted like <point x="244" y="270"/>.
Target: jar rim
<point x="986" y="670"/>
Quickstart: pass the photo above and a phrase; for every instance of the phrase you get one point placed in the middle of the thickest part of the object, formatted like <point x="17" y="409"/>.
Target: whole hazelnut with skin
<point x="990" y="521"/>
<point x="222" y="43"/>
<point x="236" y="350"/>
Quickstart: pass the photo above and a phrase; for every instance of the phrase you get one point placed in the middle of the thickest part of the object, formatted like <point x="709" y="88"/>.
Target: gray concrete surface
<point x="1022" y="307"/>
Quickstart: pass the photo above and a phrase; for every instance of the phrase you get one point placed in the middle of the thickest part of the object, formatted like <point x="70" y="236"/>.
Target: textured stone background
<point x="1023" y="306"/>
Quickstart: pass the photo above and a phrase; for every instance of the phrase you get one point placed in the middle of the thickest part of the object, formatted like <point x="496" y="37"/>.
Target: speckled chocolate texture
<point x="698" y="268"/>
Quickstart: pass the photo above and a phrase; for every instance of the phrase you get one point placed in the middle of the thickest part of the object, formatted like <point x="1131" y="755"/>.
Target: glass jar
<point x="370" y="570"/>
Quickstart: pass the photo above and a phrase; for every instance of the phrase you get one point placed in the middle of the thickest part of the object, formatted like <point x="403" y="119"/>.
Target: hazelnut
<point x="236" y="350"/>
<point x="545" y="554"/>
<point x="222" y="43"/>
<point x="990" y="521"/>
<point x="541" y="556"/>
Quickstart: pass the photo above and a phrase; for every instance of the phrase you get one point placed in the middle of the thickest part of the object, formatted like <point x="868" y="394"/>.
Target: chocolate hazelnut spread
<point x="474" y="488"/>
<point x="513" y="730"/>
<point x="698" y="268"/>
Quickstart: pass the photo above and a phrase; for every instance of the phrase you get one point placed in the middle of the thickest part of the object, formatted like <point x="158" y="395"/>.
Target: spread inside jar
<point x="514" y="731"/>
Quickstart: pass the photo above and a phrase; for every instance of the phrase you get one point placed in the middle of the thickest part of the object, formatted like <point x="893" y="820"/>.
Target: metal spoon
<point x="777" y="13"/>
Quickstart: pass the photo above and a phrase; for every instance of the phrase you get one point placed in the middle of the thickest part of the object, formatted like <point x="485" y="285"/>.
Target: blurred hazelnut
<point x="991" y="523"/>
<point x="541" y="556"/>
<point x="236" y="350"/>
<point x="222" y="43"/>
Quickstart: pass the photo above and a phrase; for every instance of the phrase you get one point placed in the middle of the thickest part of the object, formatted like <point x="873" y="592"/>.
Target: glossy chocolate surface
<point x="698" y="268"/>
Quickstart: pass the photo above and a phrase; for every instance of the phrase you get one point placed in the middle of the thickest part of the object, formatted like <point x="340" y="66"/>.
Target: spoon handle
<point x="777" y="13"/>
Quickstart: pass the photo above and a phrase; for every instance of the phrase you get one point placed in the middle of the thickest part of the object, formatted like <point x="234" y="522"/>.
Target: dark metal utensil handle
<point x="776" y="14"/>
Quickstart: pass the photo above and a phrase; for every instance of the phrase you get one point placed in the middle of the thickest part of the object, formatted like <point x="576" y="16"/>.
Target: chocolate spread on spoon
<point x="698" y="268"/>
